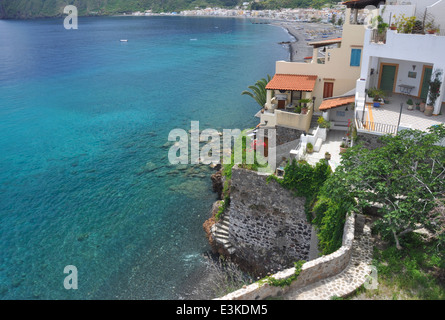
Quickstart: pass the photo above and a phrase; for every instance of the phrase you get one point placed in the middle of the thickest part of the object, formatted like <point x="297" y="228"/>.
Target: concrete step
<point x="221" y="235"/>
<point x="220" y="232"/>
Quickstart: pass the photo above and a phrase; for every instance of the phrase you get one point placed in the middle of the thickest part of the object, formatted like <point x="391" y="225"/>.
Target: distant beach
<point x="299" y="48"/>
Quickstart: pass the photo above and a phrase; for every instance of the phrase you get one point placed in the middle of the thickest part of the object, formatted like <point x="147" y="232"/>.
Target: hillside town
<point x="325" y="15"/>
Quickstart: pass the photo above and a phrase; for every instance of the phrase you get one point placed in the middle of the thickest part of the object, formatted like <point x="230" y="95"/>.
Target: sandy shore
<point x="298" y="48"/>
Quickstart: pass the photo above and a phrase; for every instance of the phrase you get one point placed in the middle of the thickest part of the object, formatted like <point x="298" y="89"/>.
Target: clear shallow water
<point x="84" y="121"/>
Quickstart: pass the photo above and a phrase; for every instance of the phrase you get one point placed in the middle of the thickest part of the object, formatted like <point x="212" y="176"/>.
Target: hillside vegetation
<point x="25" y="9"/>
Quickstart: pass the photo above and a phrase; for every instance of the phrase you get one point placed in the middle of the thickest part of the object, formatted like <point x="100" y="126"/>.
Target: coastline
<point x="298" y="48"/>
<point x="214" y="274"/>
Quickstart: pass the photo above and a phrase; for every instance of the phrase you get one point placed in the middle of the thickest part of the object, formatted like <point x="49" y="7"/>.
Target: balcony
<point x="294" y="120"/>
<point x="394" y="116"/>
<point x="287" y="118"/>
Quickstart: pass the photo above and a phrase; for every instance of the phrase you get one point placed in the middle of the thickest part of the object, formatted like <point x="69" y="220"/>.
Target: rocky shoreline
<point x="298" y="50"/>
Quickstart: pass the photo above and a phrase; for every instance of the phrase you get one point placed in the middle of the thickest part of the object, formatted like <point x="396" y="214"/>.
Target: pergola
<point x="290" y="82"/>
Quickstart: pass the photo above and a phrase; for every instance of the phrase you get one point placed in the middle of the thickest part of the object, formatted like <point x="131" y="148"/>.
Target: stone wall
<point x="285" y="135"/>
<point x="268" y="226"/>
<point x="370" y="141"/>
<point x="311" y="272"/>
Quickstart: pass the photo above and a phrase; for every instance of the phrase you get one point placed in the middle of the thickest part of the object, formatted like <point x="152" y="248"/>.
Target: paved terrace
<point x="332" y="145"/>
<point x="389" y="114"/>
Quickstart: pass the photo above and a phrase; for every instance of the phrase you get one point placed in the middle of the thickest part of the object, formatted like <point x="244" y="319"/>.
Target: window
<point x="340" y="114"/>
<point x="355" y="57"/>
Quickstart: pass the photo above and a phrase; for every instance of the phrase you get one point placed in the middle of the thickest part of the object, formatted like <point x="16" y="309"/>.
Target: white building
<point x="401" y="63"/>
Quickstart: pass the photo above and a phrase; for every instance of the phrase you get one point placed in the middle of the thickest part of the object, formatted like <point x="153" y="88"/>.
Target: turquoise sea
<point x="84" y="172"/>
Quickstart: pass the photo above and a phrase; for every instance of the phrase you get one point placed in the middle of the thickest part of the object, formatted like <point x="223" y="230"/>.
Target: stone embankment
<point x="336" y="275"/>
<point x="266" y="226"/>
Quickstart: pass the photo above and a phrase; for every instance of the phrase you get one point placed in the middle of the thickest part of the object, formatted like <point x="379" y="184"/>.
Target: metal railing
<point x="375" y="127"/>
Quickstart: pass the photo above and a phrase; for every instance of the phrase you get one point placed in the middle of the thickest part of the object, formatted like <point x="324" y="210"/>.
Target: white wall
<point x="423" y="49"/>
<point x="402" y="74"/>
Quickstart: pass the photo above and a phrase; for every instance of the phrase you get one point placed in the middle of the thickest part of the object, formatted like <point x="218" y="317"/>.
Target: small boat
<point x="124" y="40"/>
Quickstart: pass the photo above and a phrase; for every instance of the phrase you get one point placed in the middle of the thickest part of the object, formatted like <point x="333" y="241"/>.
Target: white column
<point x="314" y="55"/>
<point x="439" y="100"/>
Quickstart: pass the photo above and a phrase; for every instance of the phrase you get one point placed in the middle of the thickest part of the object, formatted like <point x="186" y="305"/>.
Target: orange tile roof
<point x="336" y="102"/>
<point x="292" y="82"/>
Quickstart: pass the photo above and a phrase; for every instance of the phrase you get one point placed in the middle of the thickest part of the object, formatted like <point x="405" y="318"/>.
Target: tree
<point x="333" y="18"/>
<point x="405" y="177"/>
<point x="259" y="92"/>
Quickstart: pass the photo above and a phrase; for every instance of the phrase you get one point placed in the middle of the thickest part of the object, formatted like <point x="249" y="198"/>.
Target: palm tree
<point x="259" y="92"/>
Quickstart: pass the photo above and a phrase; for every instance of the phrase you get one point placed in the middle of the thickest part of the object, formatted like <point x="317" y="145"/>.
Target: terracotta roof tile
<point x="336" y="102"/>
<point x="292" y="82"/>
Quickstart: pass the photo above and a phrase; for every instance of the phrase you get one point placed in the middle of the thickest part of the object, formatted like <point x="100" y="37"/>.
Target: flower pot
<point x="410" y="107"/>
<point x="422" y="107"/>
<point x="428" y="111"/>
<point x="327" y="156"/>
<point x="393" y="27"/>
<point x="343" y="150"/>
<point x="304" y="110"/>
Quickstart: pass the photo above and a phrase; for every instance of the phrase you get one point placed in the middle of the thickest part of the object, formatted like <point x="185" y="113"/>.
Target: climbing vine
<point x="304" y="180"/>
<point x="287" y="281"/>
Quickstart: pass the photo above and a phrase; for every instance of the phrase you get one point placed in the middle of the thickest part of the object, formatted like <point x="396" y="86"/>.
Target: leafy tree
<point x="259" y="92"/>
<point x="405" y="177"/>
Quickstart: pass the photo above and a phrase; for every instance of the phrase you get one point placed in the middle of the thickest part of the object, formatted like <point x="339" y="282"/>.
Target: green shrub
<point x="305" y="180"/>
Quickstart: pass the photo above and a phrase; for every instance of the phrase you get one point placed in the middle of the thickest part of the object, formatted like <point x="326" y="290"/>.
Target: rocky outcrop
<point x="268" y="226"/>
<point x="218" y="183"/>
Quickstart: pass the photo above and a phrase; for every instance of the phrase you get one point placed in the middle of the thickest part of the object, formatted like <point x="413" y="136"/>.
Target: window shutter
<point x="355" y="57"/>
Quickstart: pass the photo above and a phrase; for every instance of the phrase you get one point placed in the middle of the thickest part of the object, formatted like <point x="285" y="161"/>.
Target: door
<point x="388" y="75"/>
<point x="266" y="146"/>
<point x="424" y="86"/>
<point x="328" y="90"/>
<point x="281" y="104"/>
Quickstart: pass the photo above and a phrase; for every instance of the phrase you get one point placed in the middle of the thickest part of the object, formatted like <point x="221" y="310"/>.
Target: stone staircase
<point x="314" y="124"/>
<point x="220" y="233"/>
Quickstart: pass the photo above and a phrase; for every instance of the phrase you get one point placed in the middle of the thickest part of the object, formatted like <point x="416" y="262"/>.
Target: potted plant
<point x="297" y="109"/>
<point x="377" y="96"/>
<point x="304" y="105"/>
<point x="309" y="148"/>
<point x="323" y="123"/>
<point x="418" y="105"/>
<point x="327" y="156"/>
<point x="431" y="28"/>
<point x="393" y="26"/>
<point x="381" y="25"/>
<point x="422" y="105"/>
<point x="343" y="147"/>
<point x="410" y="104"/>
<point x="434" y="92"/>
